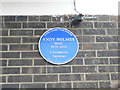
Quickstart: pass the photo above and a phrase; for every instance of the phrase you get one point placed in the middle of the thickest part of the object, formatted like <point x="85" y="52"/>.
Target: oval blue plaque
<point x="58" y="46"/>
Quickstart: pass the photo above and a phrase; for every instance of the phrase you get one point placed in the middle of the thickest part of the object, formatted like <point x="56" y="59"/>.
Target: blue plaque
<point x="58" y="46"/>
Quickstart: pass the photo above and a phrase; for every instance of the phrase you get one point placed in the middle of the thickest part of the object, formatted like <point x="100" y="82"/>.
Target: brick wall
<point x="95" y="66"/>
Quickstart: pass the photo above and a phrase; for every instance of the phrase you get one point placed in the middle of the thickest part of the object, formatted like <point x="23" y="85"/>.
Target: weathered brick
<point x="114" y="60"/>
<point x="59" y="69"/>
<point x="94" y="32"/>
<point x="8" y="86"/>
<point x="103" y="17"/>
<point x="2" y="79"/>
<point x="115" y="84"/>
<point x="76" y="31"/>
<point x="118" y="17"/>
<point x="45" y="18"/>
<point x="3" y="62"/>
<point x="45" y="78"/>
<point x="31" y="55"/>
<point x="115" y="76"/>
<point x="57" y="18"/>
<point x="0" y="70"/>
<point x="84" y="69"/>
<point x="33" y="70"/>
<point x="105" y="85"/>
<point x="25" y="25"/>
<point x="1" y="26"/>
<point x="30" y="39"/>
<point x="52" y="25"/>
<point x="113" y="18"/>
<point x="97" y="77"/>
<point x="105" y="25"/>
<point x="85" y="85"/>
<point x="4" y="47"/>
<point x="20" y="78"/>
<point x="94" y="46"/>
<point x="86" y="38"/>
<point x="86" y="54"/>
<point x="76" y="62"/>
<point x="106" y="39"/>
<point x="10" y="54"/>
<point x="36" y="25"/>
<point x="12" y="25"/>
<point x="59" y="85"/>
<point x="10" y="39"/>
<point x="108" y="68"/>
<point x="39" y="32"/>
<point x="20" y="62"/>
<point x="113" y="46"/>
<point x="10" y="70"/>
<point x="4" y="32"/>
<point x="33" y="18"/>
<point x="40" y="85"/>
<point x="38" y="62"/>
<point x="107" y="53"/>
<point x="21" y="47"/>
<point x="21" y="18"/>
<point x="9" y="18"/>
<point x="71" y="77"/>
<point x="21" y="32"/>
<point x="112" y="31"/>
<point x="1" y="17"/>
<point x="84" y="25"/>
<point x="116" y="38"/>
<point x="96" y="61"/>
